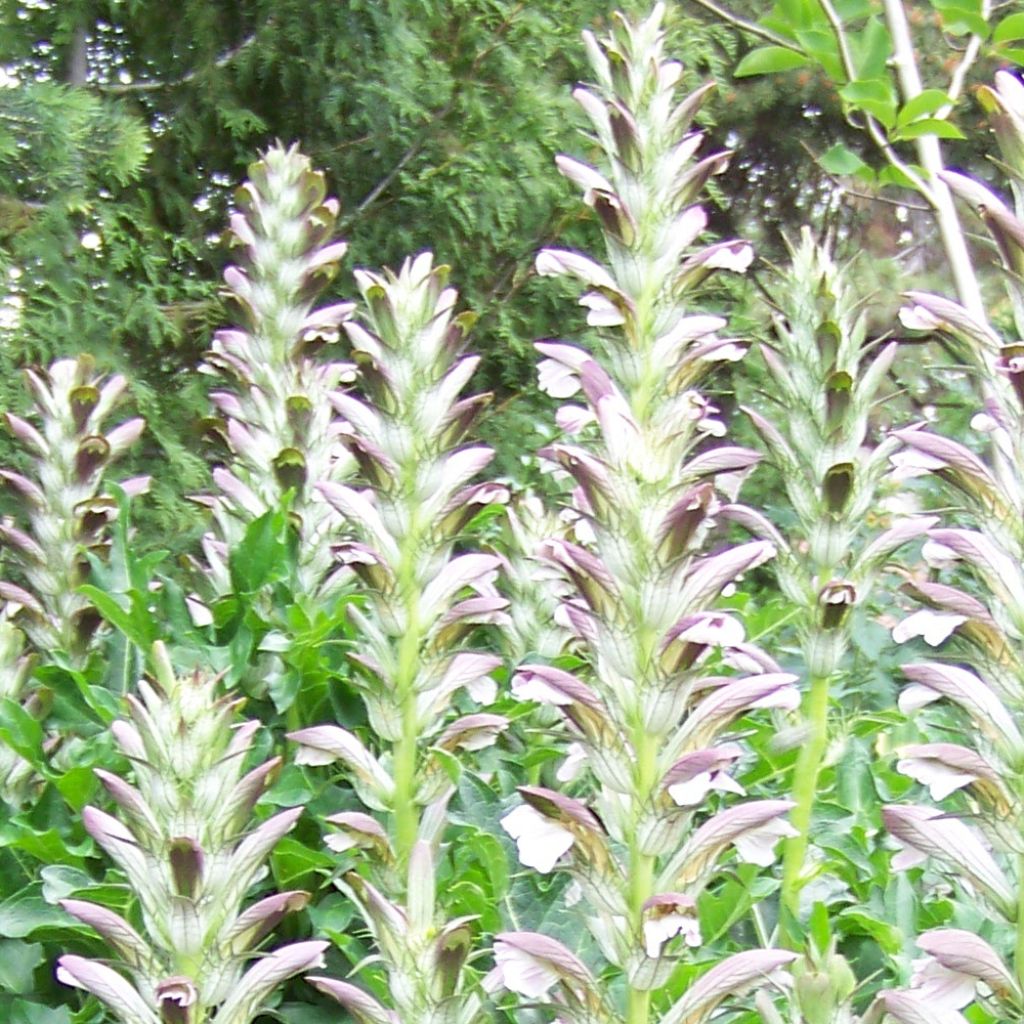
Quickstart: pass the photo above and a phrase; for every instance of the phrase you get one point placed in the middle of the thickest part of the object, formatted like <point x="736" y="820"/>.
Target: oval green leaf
<point x="1009" y="29"/>
<point x="768" y="60"/>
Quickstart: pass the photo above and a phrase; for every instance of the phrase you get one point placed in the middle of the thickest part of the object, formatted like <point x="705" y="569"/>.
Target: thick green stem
<point x="407" y="818"/>
<point x="1018" y="961"/>
<point x="641" y="865"/>
<point x="406" y="750"/>
<point x="805" y="785"/>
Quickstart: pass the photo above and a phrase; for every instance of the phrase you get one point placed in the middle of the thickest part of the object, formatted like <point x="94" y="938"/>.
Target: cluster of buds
<point x="823" y="384"/>
<point x="65" y="516"/>
<point x="190" y="854"/>
<point x="535" y="589"/>
<point x="978" y="835"/>
<point x="413" y="669"/>
<point x="649" y="715"/>
<point x="277" y="420"/>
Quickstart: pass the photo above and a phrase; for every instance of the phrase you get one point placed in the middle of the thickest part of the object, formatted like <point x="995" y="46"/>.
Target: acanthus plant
<point x="65" y="514"/>
<point x="977" y="835"/>
<point x="277" y="419"/>
<point x="190" y="852"/>
<point x="666" y="673"/>
<point x="825" y="376"/>
<point x="413" y="663"/>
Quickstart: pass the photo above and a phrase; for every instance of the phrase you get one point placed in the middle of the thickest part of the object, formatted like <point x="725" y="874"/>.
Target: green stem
<point x="1018" y="961"/>
<point x="407" y="818"/>
<point x="641" y="865"/>
<point x="406" y="751"/>
<point x="805" y="785"/>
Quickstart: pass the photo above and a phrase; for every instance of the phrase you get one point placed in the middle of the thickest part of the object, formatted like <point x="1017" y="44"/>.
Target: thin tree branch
<point x="748" y="26"/>
<point x="959" y="76"/>
<point x="874" y="129"/>
<point x="420" y="141"/>
<point x="846" y="190"/>
<point x="388" y="178"/>
<point x="930" y="154"/>
<point x="121" y="89"/>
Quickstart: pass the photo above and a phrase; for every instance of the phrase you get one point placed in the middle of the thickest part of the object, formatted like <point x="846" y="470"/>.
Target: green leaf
<point x="820" y="45"/>
<point x="20" y="731"/>
<point x="60" y="881"/>
<point x="872" y="48"/>
<point x="875" y="96"/>
<point x="26" y="912"/>
<point x="263" y="555"/>
<point x="926" y="102"/>
<point x="137" y="629"/>
<point x="1009" y="29"/>
<point x="841" y="160"/>
<point x="894" y="176"/>
<point x="768" y="60"/>
<point x="928" y="126"/>
<point x="818" y="928"/>
<point x="292" y="859"/>
<point x="18" y="961"/>
<point x="886" y="935"/>
<point x="24" y="1012"/>
<point x="962" y="18"/>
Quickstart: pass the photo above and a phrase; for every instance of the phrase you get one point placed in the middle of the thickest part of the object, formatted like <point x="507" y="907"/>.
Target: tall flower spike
<point x="643" y="582"/>
<point x="277" y="418"/>
<point x="186" y="842"/>
<point x="975" y="612"/>
<point x="66" y="509"/>
<point x="414" y="670"/>
<point x="66" y="512"/>
<point x="824" y="388"/>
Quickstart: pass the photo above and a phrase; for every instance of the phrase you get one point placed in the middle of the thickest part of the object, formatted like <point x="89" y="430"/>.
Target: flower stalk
<point x="414" y="668"/>
<point x="277" y="419"/>
<point x="64" y="522"/>
<point x="825" y="382"/>
<point x="641" y="577"/>
<point x="974" y="611"/>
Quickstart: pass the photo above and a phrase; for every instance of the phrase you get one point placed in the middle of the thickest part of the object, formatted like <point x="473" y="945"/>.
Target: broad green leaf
<point x="872" y="48"/>
<point x="962" y="17"/>
<point x="20" y="731"/>
<point x="894" y="176"/>
<point x="263" y="555"/>
<point x="332" y="915"/>
<point x="875" y="96"/>
<point x="293" y="859"/>
<point x="60" y="881"/>
<point x="767" y="60"/>
<point x="928" y="126"/>
<point x="841" y="160"/>
<point x="18" y="961"/>
<point x="137" y="628"/>
<point x="885" y="934"/>
<point x="797" y="13"/>
<point x="26" y="912"/>
<point x="291" y="789"/>
<point x="1009" y="29"/>
<point x="853" y="10"/>
<point x="820" y="44"/>
<point x="926" y="102"/>
<point x="24" y="1012"/>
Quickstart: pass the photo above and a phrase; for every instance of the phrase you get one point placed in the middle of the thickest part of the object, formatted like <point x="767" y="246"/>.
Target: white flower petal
<point x="540" y="841"/>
